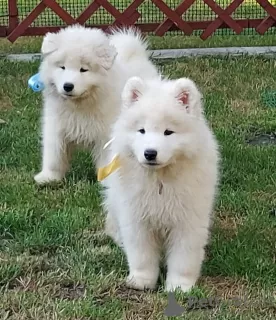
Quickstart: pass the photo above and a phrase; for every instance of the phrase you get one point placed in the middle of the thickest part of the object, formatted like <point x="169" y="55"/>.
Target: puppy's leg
<point x="142" y="254"/>
<point x="110" y="196"/>
<point x="112" y="229"/>
<point x="185" y="253"/>
<point x="56" y="154"/>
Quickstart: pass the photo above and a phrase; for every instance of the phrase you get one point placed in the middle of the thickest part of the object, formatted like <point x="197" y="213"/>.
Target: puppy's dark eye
<point x="143" y="131"/>
<point x="62" y="67"/>
<point x="83" y="70"/>
<point x="168" y="132"/>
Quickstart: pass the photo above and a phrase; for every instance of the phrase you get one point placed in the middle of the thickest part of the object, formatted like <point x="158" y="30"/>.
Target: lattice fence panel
<point x="4" y="13"/>
<point x="206" y="17"/>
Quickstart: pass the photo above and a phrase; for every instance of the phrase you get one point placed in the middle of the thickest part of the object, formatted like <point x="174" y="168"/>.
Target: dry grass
<point x="244" y="107"/>
<point x="5" y="103"/>
<point x="228" y="223"/>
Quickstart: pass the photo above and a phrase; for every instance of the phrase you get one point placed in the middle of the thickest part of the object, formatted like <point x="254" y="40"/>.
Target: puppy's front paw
<point x="178" y="282"/>
<point x="141" y="281"/>
<point x="45" y="177"/>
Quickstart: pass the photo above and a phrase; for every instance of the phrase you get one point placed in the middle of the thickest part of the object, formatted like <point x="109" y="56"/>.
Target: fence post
<point x="13" y="16"/>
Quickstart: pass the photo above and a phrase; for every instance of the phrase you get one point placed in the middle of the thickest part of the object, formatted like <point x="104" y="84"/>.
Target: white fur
<point x="167" y="206"/>
<point x="85" y="117"/>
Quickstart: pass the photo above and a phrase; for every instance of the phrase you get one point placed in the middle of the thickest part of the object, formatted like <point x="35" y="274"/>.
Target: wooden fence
<point x="158" y="17"/>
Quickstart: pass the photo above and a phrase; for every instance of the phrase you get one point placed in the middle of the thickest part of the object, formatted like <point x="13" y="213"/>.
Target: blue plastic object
<point x="35" y="83"/>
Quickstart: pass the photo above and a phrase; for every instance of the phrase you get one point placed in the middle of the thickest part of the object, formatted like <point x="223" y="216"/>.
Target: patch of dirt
<point x="239" y="294"/>
<point x="50" y="250"/>
<point x="54" y="288"/>
<point x="262" y="139"/>
<point x="24" y="284"/>
<point x="70" y="291"/>
<point x="244" y="106"/>
<point x="140" y="312"/>
<point x="262" y="195"/>
<point x="28" y="267"/>
<point x="5" y="103"/>
<point x="225" y="287"/>
<point x="229" y="224"/>
<point x="128" y="294"/>
<point x="123" y="293"/>
<point x="138" y="304"/>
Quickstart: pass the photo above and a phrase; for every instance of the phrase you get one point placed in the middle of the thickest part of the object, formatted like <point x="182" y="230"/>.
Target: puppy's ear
<point x="50" y="43"/>
<point x="188" y="95"/>
<point x="133" y="90"/>
<point x="106" y="56"/>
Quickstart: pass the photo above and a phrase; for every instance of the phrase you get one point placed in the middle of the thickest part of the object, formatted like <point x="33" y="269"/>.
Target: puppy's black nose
<point x="68" y="87"/>
<point x="150" y="154"/>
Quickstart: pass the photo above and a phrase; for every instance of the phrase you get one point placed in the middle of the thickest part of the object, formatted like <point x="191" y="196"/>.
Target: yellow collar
<point x="104" y="172"/>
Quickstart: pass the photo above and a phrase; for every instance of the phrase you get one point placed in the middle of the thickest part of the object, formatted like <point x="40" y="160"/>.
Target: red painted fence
<point x="34" y="17"/>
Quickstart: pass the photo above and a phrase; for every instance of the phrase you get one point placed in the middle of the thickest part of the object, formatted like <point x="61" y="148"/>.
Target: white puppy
<point x="84" y="72"/>
<point x="162" y="195"/>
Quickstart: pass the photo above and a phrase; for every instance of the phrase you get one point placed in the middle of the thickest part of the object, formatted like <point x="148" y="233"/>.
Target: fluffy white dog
<point x="84" y="72"/>
<point x="162" y="195"/>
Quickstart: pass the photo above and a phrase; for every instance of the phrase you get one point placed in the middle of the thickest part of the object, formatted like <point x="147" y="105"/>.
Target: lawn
<point x="33" y="44"/>
<point x="55" y="261"/>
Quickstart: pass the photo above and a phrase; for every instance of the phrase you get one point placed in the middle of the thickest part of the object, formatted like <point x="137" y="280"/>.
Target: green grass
<point x="33" y="44"/>
<point x="55" y="262"/>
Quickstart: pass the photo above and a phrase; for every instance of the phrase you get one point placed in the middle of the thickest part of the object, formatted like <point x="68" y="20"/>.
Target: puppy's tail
<point x="130" y="44"/>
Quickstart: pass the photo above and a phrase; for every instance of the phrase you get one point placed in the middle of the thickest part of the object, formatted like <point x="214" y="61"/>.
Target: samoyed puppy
<point x="84" y="72"/>
<point x="161" y="197"/>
